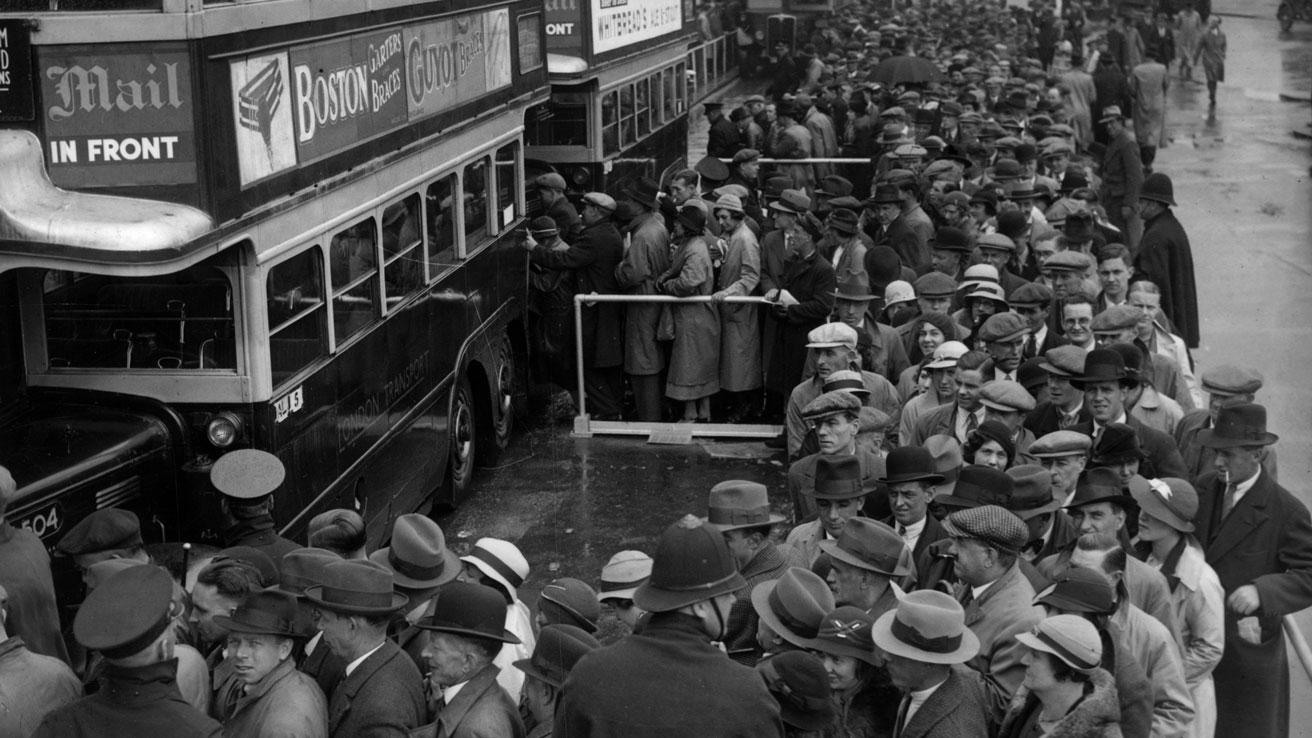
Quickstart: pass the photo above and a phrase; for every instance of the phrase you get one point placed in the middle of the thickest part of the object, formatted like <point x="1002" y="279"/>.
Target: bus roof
<point x="46" y="222"/>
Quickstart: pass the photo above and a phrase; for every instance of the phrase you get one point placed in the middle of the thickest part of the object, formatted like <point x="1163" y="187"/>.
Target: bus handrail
<point x="582" y="420"/>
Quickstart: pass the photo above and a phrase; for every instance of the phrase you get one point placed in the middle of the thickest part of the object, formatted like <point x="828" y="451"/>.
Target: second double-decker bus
<point x="619" y="93"/>
<point x="279" y="224"/>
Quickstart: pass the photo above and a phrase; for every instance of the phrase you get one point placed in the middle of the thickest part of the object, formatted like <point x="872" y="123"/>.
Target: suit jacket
<point x="1045" y="418"/>
<point x="482" y="709"/>
<point x="1122" y="172"/>
<point x="957" y="709"/>
<point x="995" y="617"/>
<point x="382" y="698"/>
<point x="593" y="257"/>
<point x="1157" y="446"/>
<point x="325" y="666"/>
<point x="1266" y="541"/>
<point x="932" y="532"/>
<point x="911" y="248"/>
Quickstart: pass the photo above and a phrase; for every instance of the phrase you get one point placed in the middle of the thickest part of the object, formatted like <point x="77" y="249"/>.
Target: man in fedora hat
<point x="464" y="634"/>
<point x="669" y="678"/>
<point x="797" y="680"/>
<point x="1122" y="176"/>
<point x="1159" y="396"/>
<point x="1064" y="407"/>
<point x="1106" y="386"/>
<point x="219" y="589"/>
<point x="1165" y="257"/>
<point x="1050" y="528"/>
<point x="1118" y="450"/>
<point x="890" y="228"/>
<point x="740" y="510"/>
<point x="835" y="415"/>
<point x="1100" y="511"/>
<point x="551" y="193"/>
<point x="722" y="141"/>
<point x="421" y="564"/>
<point x="911" y="480"/>
<point x="127" y="620"/>
<point x="837" y="490"/>
<point x="647" y="258"/>
<point x="258" y="691"/>
<point x="920" y="643"/>
<point x="745" y="171"/>
<point x="740" y="328"/>
<point x="994" y="592"/>
<point x="501" y="565"/>
<point x="247" y="479"/>
<point x="867" y="557"/>
<point x="559" y="648"/>
<point x="303" y="568"/>
<point x="381" y="692"/>
<point x="789" y="611"/>
<point x="1257" y="536"/>
<point x="1221" y="383"/>
<point x="878" y="344"/>
<point x="1167" y="508"/>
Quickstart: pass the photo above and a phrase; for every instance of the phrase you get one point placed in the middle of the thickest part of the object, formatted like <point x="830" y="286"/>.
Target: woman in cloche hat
<point x="866" y="700"/>
<point x="1065" y="693"/>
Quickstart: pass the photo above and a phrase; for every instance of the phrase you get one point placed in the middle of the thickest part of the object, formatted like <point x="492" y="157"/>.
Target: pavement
<point x="1243" y="187"/>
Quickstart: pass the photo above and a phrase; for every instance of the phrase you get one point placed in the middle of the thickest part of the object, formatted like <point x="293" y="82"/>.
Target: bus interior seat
<point x="89" y="352"/>
<point x="218" y="353"/>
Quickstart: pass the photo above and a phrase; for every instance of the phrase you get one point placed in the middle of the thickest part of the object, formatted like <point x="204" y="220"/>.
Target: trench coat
<point x="1149" y="82"/>
<point x="1266" y="541"/>
<point x="647" y="258"/>
<point x="382" y="698"/>
<point x="482" y="709"/>
<point x="593" y="258"/>
<point x="1081" y="101"/>
<point x="1211" y="48"/>
<point x="824" y="140"/>
<point x="1156" y="649"/>
<point x="132" y="702"/>
<point x="1147" y="587"/>
<point x="740" y="327"/>
<point x="286" y="703"/>
<point x="31" y="685"/>
<point x="995" y="617"/>
<point x="666" y="681"/>
<point x="1165" y="257"/>
<point x="695" y="357"/>
<point x="794" y="142"/>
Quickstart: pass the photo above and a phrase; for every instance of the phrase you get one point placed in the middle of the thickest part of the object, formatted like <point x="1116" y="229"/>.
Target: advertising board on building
<point x="620" y="23"/>
<point x="118" y="114"/>
<point x="16" y="100"/>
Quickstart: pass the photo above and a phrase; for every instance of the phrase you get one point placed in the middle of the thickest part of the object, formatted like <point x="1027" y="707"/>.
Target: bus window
<point x="353" y="267"/>
<point x="561" y="121"/>
<point x="508" y="185"/>
<point x="439" y="200"/>
<point x="476" y="204"/>
<point x="168" y="321"/>
<point x="298" y="332"/>
<point x="610" y="123"/>
<point x="642" y="108"/>
<point x="657" y="110"/>
<point x="670" y="94"/>
<point x="681" y="72"/>
<point x="626" y="116"/>
<point x="403" y="258"/>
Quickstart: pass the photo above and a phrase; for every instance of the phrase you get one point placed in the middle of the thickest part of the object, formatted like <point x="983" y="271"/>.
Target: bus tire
<point x="462" y="442"/>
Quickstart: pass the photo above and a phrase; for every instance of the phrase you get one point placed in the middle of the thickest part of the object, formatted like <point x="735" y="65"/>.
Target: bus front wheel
<point x="463" y="441"/>
<point x="507" y="384"/>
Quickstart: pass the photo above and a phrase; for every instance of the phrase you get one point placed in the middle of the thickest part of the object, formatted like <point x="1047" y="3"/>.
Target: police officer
<point x="127" y="620"/>
<point x="247" y="479"/>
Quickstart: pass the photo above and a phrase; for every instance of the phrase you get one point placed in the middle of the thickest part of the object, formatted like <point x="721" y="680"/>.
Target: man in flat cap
<point x="997" y="597"/>
<point x="551" y="193"/>
<point x="464" y="633"/>
<point x="1004" y="336"/>
<point x="740" y="510"/>
<point x="258" y="690"/>
<point x="1064" y="407"/>
<point x="1064" y="454"/>
<point x="1008" y="402"/>
<point x="1221" y="383"/>
<point x="593" y="257"/>
<point x="669" y="678"/>
<point x="1122" y="176"/>
<point x="1258" y="538"/>
<point x="25" y="574"/>
<point x="247" y="479"/>
<point x="127" y="620"/>
<point x="723" y="140"/>
<point x="381" y="692"/>
<point x="558" y="649"/>
<point x="1033" y="302"/>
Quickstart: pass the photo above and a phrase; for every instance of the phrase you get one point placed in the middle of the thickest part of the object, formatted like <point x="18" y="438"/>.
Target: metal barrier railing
<point x="586" y="427"/>
<point x="1299" y="644"/>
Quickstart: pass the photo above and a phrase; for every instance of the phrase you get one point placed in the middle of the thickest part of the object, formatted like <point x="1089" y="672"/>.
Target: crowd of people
<point x="1017" y="509"/>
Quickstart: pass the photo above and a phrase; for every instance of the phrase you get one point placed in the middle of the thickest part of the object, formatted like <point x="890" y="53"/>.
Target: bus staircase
<point x="669" y="433"/>
<point x="714" y="66"/>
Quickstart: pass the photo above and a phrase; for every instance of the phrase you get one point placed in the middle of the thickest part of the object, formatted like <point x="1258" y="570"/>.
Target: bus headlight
<point x="223" y="429"/>
<point x="581" y="176"/>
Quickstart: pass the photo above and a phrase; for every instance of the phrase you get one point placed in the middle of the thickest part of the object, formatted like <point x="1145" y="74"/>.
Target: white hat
<point x="831" y="335"/>
<point x="898" y="291"/>
<point x="1070" y="638"/>
<point x="946" y="355"/>
<point x="499" y="561"/>
<point x="623" y="574"/>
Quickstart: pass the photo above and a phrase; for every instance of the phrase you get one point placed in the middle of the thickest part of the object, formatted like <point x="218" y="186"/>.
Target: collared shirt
<point x="977" y="592"/>
<point x="1098" y="427"/>
<point x="1241" y="488"/>
<point x="314" y="641"/>
<point x="354" y="664"/>
<point x="1067" y="419"/>
<point x="449" y="693"/>
<point x="961" y="431"/>
<point x="917" y="698"/>
<point x="911" y="533"/>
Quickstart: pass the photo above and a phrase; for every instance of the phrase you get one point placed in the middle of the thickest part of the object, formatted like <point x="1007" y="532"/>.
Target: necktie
<point x="972" y="423"/>
<point x="1229" y="500"/>
<point x="967" y="596"/>
<point x="1067" y="420"/>
<point x="902" y="530"/>
<point x="902" y="715"/>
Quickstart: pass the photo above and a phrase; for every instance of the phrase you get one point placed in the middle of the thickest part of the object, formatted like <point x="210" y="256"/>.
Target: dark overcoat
<point x="132" y="702"/>
<point x="1157" y="446"/>
<point x="810" y="279"/>
<point x="904" y="240"/>
<point x="593" y="258"/>
<point x="1266" y="541"/>
<point x="667" y="681"/>
<point x="382" y="698"/>
<point x="1164" y="256"/>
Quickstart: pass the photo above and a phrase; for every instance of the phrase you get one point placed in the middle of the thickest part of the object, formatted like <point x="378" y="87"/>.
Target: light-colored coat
<point x="647" y="258"/>
<point x="740" y="327"/>
<point x="1156" y="410"/>
<point x="1199" y="604"/>
<point x="695" y="357"/>
<point x="286" y="703"/>
<point x="995" y="617"/>
<point x="1157" y="652"/>
<point x="1149" y="82"/>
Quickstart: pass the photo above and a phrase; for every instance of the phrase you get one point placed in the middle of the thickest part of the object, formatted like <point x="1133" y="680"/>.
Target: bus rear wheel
<point x="463" y="441"/>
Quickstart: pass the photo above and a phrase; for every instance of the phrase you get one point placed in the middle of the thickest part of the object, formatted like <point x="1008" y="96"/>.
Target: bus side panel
<point x="11" y="344"/>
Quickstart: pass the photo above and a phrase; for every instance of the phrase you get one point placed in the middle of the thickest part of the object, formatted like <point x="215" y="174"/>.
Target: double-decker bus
<point x="620" y="92"/>
<point x="276" y="224"/>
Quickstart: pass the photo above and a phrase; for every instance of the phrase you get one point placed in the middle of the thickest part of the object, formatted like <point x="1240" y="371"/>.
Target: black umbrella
<point x="906" y="70"/>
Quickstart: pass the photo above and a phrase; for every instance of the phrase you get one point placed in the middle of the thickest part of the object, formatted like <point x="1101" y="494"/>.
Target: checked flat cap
<point x="994" y="525"/>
